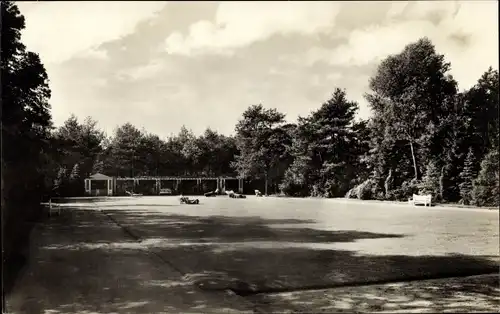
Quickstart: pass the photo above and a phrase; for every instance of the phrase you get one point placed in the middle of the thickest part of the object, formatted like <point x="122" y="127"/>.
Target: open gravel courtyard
<point x="272" y="254"/>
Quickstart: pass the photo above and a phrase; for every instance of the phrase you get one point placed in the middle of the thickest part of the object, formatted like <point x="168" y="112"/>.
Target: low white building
<point x="99" y="185"/>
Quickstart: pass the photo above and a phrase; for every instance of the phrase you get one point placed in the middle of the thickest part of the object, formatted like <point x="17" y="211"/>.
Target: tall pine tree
<point x="467" y="175"/>
<point x="486" y="187"/>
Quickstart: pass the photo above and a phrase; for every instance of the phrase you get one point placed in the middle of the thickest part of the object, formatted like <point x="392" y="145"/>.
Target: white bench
<point x="421" y="199"/>
<point x="54" y="208"/>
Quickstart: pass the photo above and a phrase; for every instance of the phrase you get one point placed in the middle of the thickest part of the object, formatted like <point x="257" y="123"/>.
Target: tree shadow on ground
<point x="453" y="295"/>
<point x="108" y="270"/>
<point x="82" y="262"/>
<point x="147" y="225"/>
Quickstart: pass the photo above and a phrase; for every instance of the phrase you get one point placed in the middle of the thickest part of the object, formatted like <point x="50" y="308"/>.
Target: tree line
<point x="83" y="149"/>
<point x="424" y="136"/>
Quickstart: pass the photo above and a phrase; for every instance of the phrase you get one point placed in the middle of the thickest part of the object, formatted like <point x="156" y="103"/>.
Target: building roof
<point x="99" y="176"/>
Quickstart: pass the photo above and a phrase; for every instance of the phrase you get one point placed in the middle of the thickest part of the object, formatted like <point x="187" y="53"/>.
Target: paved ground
<point x="78" y="265"/>
<point x="152" y="255"/>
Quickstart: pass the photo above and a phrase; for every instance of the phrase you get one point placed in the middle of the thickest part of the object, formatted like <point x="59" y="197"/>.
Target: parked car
<point x="165" y="192"/>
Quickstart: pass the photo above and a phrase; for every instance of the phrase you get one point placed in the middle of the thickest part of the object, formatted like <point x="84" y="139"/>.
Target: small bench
<point x="421" y="199"/>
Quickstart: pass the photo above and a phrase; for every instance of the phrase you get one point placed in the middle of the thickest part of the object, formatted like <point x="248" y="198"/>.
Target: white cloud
<point x="239" y="24"/>
<point x="397" y="8"/>
<point x="144" y="72"/>
<point x="59" y="30"/>
<point x="476" y="20"/>
<point x="92" y="53"/>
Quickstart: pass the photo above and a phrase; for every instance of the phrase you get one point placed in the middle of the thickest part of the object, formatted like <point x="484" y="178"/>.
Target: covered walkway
<point x="100" y="185"/>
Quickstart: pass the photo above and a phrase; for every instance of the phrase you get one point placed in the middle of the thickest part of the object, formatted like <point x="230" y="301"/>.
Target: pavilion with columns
<point x="101" y="185"/>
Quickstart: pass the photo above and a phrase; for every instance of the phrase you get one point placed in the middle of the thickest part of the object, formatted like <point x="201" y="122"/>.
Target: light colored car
<point x="165" y="192"/>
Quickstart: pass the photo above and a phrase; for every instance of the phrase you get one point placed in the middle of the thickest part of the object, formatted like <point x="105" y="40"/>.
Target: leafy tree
<point x="409" y="91"/>
<point x="148" y="155"/>
<point x="98" y="166"/>
<point x="75" y="182"/>
<point x="282" y="141"/>
<point x="480" y="114"/>
<point x="26" y="125"/>
<point x="217" y="153"/>
<point x="92" y="145"/>
<point x="81" y="143"/>
<point x="486" y="187"/>
<point x="75" y="173"/>
<point x="191" y="151"/>
<point x="256" y="139"/>
<point x="61" y="182"/>
<point x="123" y="159"/>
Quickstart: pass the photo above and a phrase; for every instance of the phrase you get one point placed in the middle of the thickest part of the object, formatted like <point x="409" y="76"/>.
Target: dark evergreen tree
<point x="467" y="175"/>
<point x="486" y="188"/>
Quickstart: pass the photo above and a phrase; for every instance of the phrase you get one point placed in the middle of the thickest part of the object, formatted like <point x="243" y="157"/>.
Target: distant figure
<point x="258" y="193"/>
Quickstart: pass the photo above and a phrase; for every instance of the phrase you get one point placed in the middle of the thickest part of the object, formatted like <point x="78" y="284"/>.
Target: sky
<point x="162" y="65"/>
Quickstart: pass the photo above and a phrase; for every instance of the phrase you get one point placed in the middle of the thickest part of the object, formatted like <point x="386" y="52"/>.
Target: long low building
<point x="102" y="185"/>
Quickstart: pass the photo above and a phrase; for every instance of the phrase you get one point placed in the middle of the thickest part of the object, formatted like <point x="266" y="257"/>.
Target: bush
<point x="362" y="191"/>
<point x="407" y="189"/>
<point x="352" y="193"/>
<point x="333" y="188"/>
<point x="486" y="186"/>
<point x="316" y="191"/>
<point x="431" y="181"/>
<point x="292" y="186"/>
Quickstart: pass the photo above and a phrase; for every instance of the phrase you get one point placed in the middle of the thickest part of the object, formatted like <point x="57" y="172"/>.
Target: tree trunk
<point x="414" y="160"/>
<point x="265" y="187"/>
<point x="441" y="183"/>
<point x="387" y="184"/>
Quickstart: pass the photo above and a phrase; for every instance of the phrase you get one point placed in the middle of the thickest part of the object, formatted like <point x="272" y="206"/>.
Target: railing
<point x="175" y="178"/>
